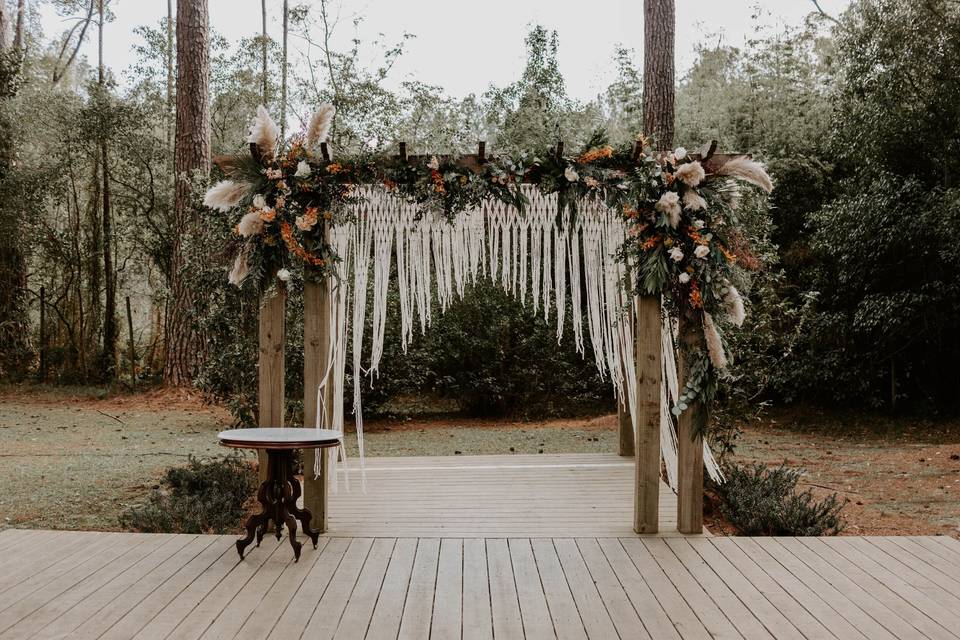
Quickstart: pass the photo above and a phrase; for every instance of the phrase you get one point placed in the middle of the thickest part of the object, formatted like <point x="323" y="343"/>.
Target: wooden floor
<point x="518" y="496"/>
<point x="500" y="548"/>
<point x="124" y="585"/>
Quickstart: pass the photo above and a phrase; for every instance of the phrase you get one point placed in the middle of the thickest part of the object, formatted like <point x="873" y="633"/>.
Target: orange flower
<point x="286" y="232"/>
<point x="437" y="181"/>
<point x="696" y="300"/>
<point x="334" y="167"/>
<point x="650" y="242"/>
<point x="389" y="184"/>
<point x="595" y="154"/>
<point x="727" y="254"/>
<point x="268" y="215"/>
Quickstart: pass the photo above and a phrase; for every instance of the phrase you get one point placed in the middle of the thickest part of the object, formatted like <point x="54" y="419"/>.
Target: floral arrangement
<point x="679" y="209"/>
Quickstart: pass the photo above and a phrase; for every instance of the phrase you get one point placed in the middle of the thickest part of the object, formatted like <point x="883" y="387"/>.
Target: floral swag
<point x="679" y="210"/>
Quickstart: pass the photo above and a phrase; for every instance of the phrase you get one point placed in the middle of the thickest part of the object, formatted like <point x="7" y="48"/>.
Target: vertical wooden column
<point x="690" y="448"/>
<point x="646" y="510"/>
<point x="273" y="335"/>
<point x="316" y="350"/>
<point x="624" y="423"/>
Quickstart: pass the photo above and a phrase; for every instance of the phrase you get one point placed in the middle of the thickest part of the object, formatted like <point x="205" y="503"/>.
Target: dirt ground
<point x="75" y="458"/>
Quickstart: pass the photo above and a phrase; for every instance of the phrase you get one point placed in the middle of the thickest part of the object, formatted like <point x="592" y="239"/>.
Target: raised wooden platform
<point x="122" y="585"/>
<point x="518" y="496"/>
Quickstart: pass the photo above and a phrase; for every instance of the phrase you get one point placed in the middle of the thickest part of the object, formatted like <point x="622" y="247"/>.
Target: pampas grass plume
<point x="225" y="195"/>
<point x="319" y="127"/>
<point x="714" y="344"/>
<point x="748" y="170"/>
<point x="733" y="303"/>
<point x="264" y="132"/>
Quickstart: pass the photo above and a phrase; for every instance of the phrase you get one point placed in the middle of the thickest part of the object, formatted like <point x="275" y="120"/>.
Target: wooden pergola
<point x="648" y="361"/>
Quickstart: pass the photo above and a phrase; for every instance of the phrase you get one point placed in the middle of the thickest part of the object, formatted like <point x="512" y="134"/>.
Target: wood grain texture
<point x="270" y="365"/>
<point x="649" y="364"/>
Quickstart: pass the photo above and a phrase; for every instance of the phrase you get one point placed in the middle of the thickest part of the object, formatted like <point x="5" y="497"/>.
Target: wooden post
<point x="42" y="372"/>
<point x="133" y="352"/>
<point x="690" y="448"/>
<point x="624" y="422"/>
<point x="271" y="374"/>
<point x="646" y="511"/>
<point x="316" y="350"/>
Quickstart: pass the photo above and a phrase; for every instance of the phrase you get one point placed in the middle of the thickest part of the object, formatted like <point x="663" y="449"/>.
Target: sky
<point x="464" y="46"/>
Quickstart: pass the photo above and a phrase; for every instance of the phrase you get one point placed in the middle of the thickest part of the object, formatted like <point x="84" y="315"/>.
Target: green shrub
<point x="759" y="501"/>
<point x="206" y="496"/>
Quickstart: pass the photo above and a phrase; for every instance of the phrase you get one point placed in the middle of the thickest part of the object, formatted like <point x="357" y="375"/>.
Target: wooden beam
<point x="272" y="339"/>
<point x="624" y="421"/>
<point x="646" y="511"/>
<point x="690" y="447"/>
<point x="316" y="350"/>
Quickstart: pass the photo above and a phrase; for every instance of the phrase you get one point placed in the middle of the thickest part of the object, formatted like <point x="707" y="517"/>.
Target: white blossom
<point x="691" y="173"/>
<point x="680" y="153"/>
<point x="702" y="251"/>
<point x="684" y="278"/>
<point x="259" y="202"/>
<point x="303" y="169"/>
<point x="283" y="274"/>
<point x="250" y="224"/>
<point x="434" y="163"/>
<point x="694" y="201"/>
<point x="699" y="224"/>
<point x="676" y="254"/>
<point x="571" y="174"/>
<point x="669" y="204"/>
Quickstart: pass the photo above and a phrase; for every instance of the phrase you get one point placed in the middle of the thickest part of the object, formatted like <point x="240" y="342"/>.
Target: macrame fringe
<point x="531" y="256"/>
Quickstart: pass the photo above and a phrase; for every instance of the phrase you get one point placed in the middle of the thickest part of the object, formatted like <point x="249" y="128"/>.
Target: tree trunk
<point x="169" y="120"/>
<point x="108" y="355"/>
<point x="263" y="51"/>
<point x="658" y="72"/>
<point x="283" y="75"/>
<point x="192" y="157"/>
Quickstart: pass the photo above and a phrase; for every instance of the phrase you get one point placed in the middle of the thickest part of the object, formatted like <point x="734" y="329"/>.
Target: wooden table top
<point x="280" y="438"/>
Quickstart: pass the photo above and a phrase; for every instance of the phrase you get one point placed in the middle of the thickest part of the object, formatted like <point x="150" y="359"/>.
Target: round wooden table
<point x="279" y="493"/>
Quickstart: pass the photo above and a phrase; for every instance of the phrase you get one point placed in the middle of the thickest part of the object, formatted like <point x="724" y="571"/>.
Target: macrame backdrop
<point x="532" y="258"/>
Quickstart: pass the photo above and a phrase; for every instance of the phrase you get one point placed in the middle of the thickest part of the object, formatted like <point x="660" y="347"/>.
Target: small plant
<point x="205" y="496"/>
<point x="760" y="501"/>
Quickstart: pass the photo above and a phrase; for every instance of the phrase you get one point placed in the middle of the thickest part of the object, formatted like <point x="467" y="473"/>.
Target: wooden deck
<point x="517" y="496"/>
<point x="487" y="547"/>
<point x="124" y="585"/>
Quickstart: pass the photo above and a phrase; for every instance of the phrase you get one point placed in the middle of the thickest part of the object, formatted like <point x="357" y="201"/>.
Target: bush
<point x="764" y="502"/>
<point x="206" y="496"/>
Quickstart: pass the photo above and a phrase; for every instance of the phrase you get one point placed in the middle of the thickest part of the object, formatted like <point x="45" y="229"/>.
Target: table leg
<point x="278" y="496"/>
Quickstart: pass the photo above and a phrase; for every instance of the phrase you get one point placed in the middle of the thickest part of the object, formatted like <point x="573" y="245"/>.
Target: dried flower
<point x="434" y="163"/>
<point x="259" y="202"/>
<point x="714" y="343"/>
<point x="591" y="182"/>
<point x="225" y="195"/>
<point x="595" y="154"/>
<point x="307" y="220"/>
<point x="250" y="224"/>
<point x="684" y="278"/>
<point x="319" y="127"/>
<point x="669" y="204"/>
<point x="748" y="170"/>
<point x="264" y="133"/>
<point x="733" y="304"/>
<point x="702" y="251"/>
<point x="571" y="174"/>
<point x="274" y="174"/>
<point x="240" y="267"/>
<point x="694" y="201"/>
<point x="680" y="153"/>
<point x="691" y="173"/>
<point x="283" y="275"/>
<point x="676" y="254"/>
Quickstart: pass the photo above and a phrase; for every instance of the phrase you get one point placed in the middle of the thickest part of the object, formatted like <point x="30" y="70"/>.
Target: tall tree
<point x="108" y="355"/>
<point x="264" y="42"/>
<point x="659" y="33"/>
<point x="16" y="350"/>
<point x="283" y="73"/>
<point x="191" y="158"/>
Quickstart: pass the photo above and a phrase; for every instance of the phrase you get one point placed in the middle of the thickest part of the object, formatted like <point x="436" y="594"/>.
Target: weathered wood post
<point x="625" y="446"/>
<point x="648" y="356"/>
<point x="316" y="350"/>
<point x="272" y="338"/>
<point x="692" y="421"/>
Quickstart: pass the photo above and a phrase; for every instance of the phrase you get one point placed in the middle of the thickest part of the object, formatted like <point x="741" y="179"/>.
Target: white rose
<point x="303" y="169"/>
<point x="676" y="254"/>
<point x="684" y="278"/>
<point x="434" y="163"/>
<point x="702" y="251"/>
<point x="571" y="174"/>
<point x="699" y="224"/>
<point x="259" y="202"/>
<point x="283" y="274"/>
<point x="680" y="153"/>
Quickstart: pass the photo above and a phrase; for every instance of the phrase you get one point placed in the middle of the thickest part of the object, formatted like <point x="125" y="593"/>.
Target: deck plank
<point x="477" y="616"/>
<point x="418" y="608"/>
<point x="447" y="622"/>
<point x="534" y="612"/>
<point x="596" y="619"/>
<point x="326" y="617"/>
<point x="563" y="609"/>
<point x="386" y="616"/>
<point x="294" y="619"/>
<point x="356" y="616"/>
<point x="504" y="603"/>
